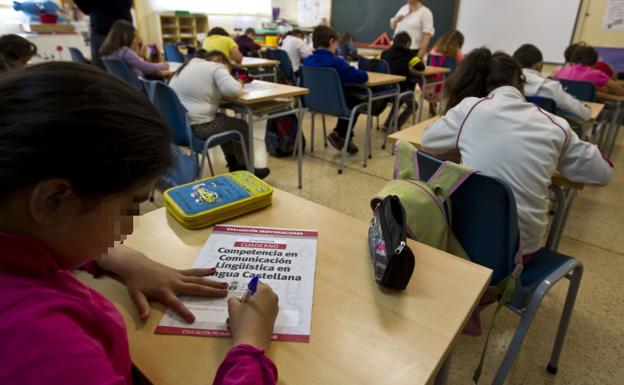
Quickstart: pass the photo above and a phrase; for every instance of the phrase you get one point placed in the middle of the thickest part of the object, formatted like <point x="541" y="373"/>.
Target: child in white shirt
<point x="495" y="130"/>
<point x="296" y="48"/>
<point x="531" y="60"/>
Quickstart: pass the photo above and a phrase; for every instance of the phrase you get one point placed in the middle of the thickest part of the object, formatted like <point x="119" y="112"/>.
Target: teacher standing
<point x="103" y="14"/>
<point x="417" y="20"/>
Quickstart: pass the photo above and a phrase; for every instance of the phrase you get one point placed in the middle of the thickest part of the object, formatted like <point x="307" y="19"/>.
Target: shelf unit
<point x="184" y="28"/>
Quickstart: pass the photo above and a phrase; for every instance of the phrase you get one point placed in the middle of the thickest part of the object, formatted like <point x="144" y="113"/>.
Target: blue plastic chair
<point x="584" y="91"/>
<point x="327" y="97"/>
<point x="485" y="222"/>
<point x="172" y="54"/>
<point x="285" y="65"/>
<point x="77" y="56"/>
<point x="545" y="104"/>
<point x="442" y="61"/>
<point x="120" y="69"/>
<point x="173" y="112"/>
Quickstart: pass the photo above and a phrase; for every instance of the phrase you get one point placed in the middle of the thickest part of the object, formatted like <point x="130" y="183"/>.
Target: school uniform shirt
<point x="325" y="58"/>
<point x="583" y="73"/>
<point x="537" y="85"/>
<point x="220" y="43"/>
<point x="401" y="60"/>
<point x="416" y="24"/>
<point x="200" y="87"/>
<point x="56" y="330"/>
<point x="247" y="46"/>
<point x="296" y="49"/>
<point x="503" y="135"/>
<point x="138" y="66"/>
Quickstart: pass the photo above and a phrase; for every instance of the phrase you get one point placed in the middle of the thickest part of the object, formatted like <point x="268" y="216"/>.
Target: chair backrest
<point x="374" y="65"/>
<point x="120" y="69"/>
<point x="77" y="56"/>
<point x="545" y="104"/>
<point x="442" y="61"/>
<point x="185" y="170"/>
<point x="326" y="92"/>
<point x="172" y="54"/>
<point x="584" y="91"/>
<point x="172" y="111"/>
<point x="285" y="65"/>
<point x="484" y="219"/>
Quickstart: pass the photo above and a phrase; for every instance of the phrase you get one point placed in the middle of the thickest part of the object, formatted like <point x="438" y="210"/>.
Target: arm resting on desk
<point x="442" y="136"/>
<point x="246" y="365"/>
<point x="582" y="162"/>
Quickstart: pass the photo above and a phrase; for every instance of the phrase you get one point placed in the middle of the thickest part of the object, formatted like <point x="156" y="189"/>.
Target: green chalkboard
<point x="367" y="19"/>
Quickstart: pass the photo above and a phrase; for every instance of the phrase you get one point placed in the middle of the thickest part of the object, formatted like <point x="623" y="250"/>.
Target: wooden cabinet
<point x="188" y="29"/>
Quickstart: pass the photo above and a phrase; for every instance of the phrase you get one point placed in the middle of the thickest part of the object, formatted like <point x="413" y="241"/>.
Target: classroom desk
<point x="255" y="62"/>
<point x="596" y="109"/>
<point x="377" y="79"/>
<point x="429" y="71"/>
<point x="564" y="189"/>
<point x="361" y="334"/>
<point x="614" y="128"/>
<point x="258" y="102"/>
<point x="173" y="67"/>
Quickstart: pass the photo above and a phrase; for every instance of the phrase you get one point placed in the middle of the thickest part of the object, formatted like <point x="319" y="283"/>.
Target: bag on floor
<point x="281" y="135"/>
<point x="393" y="260"/>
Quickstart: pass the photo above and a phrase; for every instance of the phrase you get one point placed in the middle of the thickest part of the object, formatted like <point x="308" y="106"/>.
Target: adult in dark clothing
<point x="405" y="62"/>
<point x="103" y="14"/>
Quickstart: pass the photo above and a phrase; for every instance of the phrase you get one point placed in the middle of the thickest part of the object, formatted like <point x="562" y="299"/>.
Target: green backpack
<point x="429" y="214"/>
<point x="427" y="204"/>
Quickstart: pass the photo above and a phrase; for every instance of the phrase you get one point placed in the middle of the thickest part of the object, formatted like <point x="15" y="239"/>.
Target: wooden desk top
<point x="414" y="135"/>
<point x="254" y="62"/>
<point x="596" y="109"/>
<point x="376" y="79"/>
<point x="260" y="91"/>
<point x="433" y="71"/>
<point x="609" y="97"/>
<point x="361" y="334"/>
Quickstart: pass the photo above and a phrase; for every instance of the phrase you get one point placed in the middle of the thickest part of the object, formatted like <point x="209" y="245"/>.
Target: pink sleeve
<point x="599" y="78"/>
<point x="135" y="61"/>
<point x="460" y="56"/>
<point x="246" y="365"/>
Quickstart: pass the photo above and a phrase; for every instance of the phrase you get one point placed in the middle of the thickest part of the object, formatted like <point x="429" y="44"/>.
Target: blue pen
<point x="251" y="288"/>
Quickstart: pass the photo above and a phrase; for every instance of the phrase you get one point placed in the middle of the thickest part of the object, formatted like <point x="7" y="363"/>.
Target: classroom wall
<point x="589" y="26"/>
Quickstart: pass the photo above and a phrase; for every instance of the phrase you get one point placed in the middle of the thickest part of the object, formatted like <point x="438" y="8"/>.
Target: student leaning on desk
<point x="490" y="123"/>
<point x="219" y="40"/>
<point x="66" y="201"/>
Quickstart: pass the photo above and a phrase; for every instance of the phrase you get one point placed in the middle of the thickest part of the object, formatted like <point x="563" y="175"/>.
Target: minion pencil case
<point x="209" y="201"/>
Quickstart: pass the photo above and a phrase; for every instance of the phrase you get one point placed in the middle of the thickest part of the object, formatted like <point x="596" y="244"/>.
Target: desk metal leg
<point x="369" y="126"/>
<point x="301" y="113"/>
<point x="250" y="131"/>
<point x="442" y="375"/>
<point x="422" y="98"/>
<point x="613" y="131"/>
<point x="564" y="202"/>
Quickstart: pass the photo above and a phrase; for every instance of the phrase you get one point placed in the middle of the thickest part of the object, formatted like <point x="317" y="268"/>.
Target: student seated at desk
<point x="67" y="202"/>
<point x="247" y="43"/>
<point x="600" y="65"/>
<point x="201" y="84"/>
<point x="15" y="52"/>
<point x="447" y="46"/>
<point x="325" y="41"/>
<point x="117" y="46"/>
<point x="296" y="48"/>
<point x="582" y="67"/>
<point x="219" y="40"/>
<point x="495" y="130"/>
<point x="403" y="61"/>
<point x="531" y="60"/>
<point x="346" y="48"/>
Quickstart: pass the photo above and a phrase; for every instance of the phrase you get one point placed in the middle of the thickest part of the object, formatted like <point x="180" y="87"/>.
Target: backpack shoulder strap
<point x="406" y="161"/>
<point x="449" y="176"/>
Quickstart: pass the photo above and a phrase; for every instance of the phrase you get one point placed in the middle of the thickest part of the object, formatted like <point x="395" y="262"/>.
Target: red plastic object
<point x="48" y="19"/>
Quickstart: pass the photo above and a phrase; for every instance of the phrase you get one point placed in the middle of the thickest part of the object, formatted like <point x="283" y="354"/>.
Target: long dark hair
<point x="79" y="123"/>
<point x="402" y="40"/>
<point x="121" y="35"/>
<point x="480" y="73"/>
<point x="206" y="55"/>
<point x="586" y="55"/>
<point x="15" y="49"/>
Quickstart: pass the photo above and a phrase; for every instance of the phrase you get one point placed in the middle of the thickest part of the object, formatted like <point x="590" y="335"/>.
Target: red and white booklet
<point x="285" y="259"/>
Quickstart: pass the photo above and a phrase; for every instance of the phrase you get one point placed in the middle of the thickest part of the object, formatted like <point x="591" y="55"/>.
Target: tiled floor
<point x="594" y="348"/>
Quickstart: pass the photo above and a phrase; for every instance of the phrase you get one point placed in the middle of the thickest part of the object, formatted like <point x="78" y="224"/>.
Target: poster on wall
<point x="311" y="13"/>
<point x="614" y="16"/>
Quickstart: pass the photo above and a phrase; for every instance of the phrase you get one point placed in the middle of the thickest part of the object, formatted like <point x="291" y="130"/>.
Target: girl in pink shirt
<point x="582" y="67"/>
<point x="79" y="150"/>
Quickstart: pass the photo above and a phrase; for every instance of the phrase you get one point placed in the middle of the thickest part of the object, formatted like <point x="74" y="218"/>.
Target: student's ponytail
<point x="480" y="73"/>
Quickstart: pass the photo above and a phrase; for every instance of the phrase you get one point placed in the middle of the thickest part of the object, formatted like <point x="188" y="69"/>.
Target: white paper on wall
<point x="614" y="16"/>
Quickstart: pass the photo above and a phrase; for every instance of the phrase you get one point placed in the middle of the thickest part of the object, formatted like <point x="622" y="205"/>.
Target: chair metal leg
<point x="377" y="118"/>
<point x="209" y="164"/>
<point x="324" y="131"/>
<point x="312" y="132"/>
<point x="300" y="145"/>
<point x="575" y="283"/>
